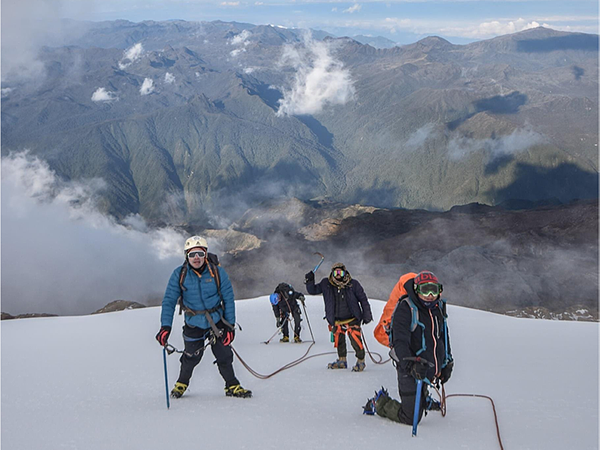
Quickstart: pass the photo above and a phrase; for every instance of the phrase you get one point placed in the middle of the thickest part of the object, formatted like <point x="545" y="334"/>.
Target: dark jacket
<point x="354" y="294"/>
<point x="287" y="303"/>
<point x="406" y="343"/>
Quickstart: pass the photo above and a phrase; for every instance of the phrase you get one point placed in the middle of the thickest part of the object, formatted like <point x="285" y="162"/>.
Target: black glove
<point x="228" y="336"/>
<point x="301" y="296"/>
<point x="366" y="321"/>
<point x="309" y="277"/>
<point x="447" y="372"/>
<point x="279" y="322"/>
<point x="419" y="370"/>
<point x="163" y="335"/>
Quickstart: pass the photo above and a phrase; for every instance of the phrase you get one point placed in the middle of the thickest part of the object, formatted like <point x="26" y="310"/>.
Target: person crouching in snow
<point x="346" y="308"/>
<point x="285" y="302"/>
<point x="420" y="349"/>
<point x="207" y="299"/>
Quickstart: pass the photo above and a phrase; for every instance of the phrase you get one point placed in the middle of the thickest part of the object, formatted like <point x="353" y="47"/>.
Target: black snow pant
<point x="297" y="320"/>
<point x="403" y="411"/>
<point x="353" y="330"/>
<point x="194" y="350"/>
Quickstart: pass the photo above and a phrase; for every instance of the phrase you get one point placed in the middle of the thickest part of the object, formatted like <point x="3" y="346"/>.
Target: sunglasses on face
<point x="199" y="254"/>
<point x="339" y="272"/>
<point x="427" y="289"/>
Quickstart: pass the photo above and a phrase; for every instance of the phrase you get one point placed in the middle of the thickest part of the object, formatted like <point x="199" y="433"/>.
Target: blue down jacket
<point x="201" y="294"/>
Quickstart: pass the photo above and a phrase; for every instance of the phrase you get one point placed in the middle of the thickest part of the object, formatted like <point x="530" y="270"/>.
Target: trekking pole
<point x="276" y="332"/>
<point x="307" y="321"/>
<point x="166" y="376"/>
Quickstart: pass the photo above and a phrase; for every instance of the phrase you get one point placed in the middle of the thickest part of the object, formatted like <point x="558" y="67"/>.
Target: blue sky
<point x="401" y="21"/>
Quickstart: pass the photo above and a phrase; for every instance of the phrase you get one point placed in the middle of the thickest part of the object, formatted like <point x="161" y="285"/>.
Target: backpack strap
<point x="415" y="322"/>
<point x="448" y="356"/>
<point x="212" y="263"/>
<point x="182" y="288"/>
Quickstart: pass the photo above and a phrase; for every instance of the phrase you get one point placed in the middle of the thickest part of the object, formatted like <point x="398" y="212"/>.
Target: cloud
<point x="230" y="3"/>
<point x="6" y="91"/>
<point x="489" y="29"/>
<point x="61" y="255"/>
<point x="147" y="86"/>
<point x="236" y="52"/>
<point x="419" y="137"/>
<point x="169" y="78"/>
<point x="102" y="95"/>
<point x="241" y="39"/>
<point x="519" y="140"/>
<point x="131" y="55"/>
<point x="319" y="79"/>
<point x="334" y="9"/>
<point x="354" y="8"/>
<point x="249" y="70"/>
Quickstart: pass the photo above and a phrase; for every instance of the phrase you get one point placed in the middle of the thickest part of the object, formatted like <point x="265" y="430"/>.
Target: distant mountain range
<point x="185" y="121"/>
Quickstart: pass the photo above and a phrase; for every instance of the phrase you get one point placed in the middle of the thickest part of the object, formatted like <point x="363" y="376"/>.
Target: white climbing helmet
<point x="195" y="241"/>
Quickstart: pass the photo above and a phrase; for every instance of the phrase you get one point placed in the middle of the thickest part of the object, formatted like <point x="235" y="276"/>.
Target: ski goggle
<point x="199" y="254"/>
<point x="339" y="272"/>
<point x="427" y="289"/>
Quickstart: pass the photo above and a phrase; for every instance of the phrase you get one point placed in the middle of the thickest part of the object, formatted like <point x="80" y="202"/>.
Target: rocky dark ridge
<point x="514" y="261"/>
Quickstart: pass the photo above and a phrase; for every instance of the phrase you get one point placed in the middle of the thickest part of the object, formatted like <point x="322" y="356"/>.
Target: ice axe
<point x="320" y="262"/>
<point x="418" y="360"/>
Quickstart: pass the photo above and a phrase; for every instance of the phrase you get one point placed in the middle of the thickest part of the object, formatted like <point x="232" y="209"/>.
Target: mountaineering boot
<point x="237" y="391"/>
<point x="340" y="363"/>
<point x="359" y="366"/>
<point x="370" y="407"/>
<point x="178" y="390"/>
<point x="297" y="339"/>
<point x="432" y="405"/>
<point x="284" y="339"/>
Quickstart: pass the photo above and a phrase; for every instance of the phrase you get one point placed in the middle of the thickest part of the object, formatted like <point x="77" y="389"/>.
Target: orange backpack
<point x="382" y="329"/>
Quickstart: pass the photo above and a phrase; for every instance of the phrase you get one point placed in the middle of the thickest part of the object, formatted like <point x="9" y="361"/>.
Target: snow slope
<point x="96" y="382"/>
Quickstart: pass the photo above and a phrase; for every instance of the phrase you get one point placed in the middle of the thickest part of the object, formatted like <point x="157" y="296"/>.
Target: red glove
<point x="163" y="335"/>
<point x="228" y="336"/>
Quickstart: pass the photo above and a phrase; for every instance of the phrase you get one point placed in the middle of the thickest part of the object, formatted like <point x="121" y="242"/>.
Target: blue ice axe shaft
<point x="320" y="262"/>
<point x="417" y="407"/>
<point x="166" y="376"/>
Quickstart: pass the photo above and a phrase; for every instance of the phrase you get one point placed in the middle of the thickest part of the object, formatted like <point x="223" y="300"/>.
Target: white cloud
<point x="320" y="79"/>
<point x="147" y="86"/>
<point x="258" y="3"/>
<point x="519" y="140"/>
<point x="333" y="9"/>
<point x="419" y="137"/>
<point x="6" y="91"/>
<point x="131" y="55"/>
<point x="169" y="78"/>
<point x="230" y="3"/>
<point x="236" y="52"/>
<point x="249" y="70"/>
<point x="354" y="8"/>
<point x="102" y="95"/>
<point x="490" y="29"/>
<point x="241" y="39"/>
<point x="56" y="224"/>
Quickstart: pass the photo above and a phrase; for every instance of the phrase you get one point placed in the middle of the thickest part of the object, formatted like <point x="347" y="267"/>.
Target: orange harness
<point x="353" y="331"/>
